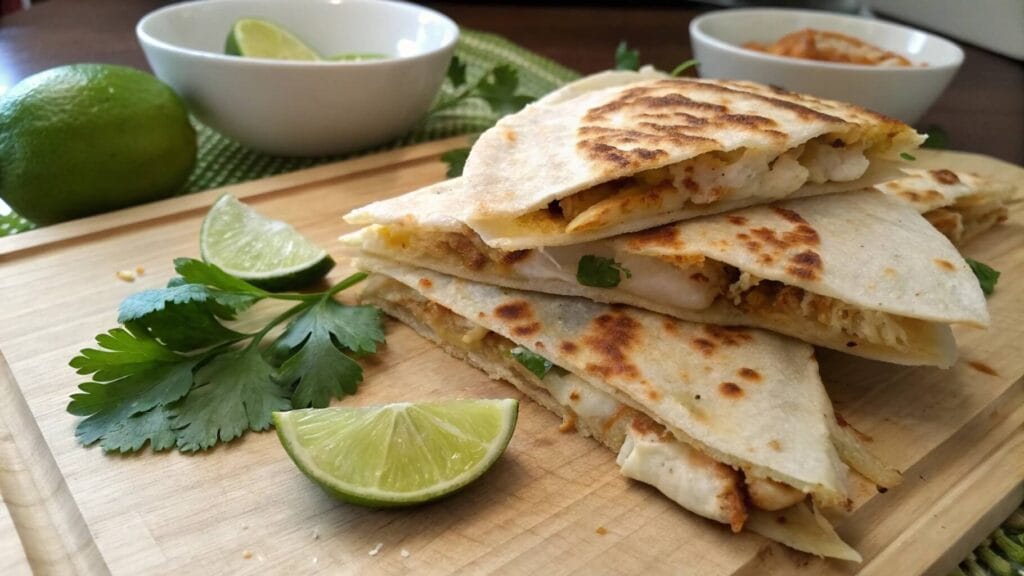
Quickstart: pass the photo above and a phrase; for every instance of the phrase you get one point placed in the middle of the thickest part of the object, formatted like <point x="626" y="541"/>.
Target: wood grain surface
<point x="554" y="504"/>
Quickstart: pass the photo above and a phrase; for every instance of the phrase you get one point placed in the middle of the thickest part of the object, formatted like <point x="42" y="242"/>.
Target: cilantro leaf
<point x="937" y="138"/>
<point x="153" y="426"/>
<point x="684" y="66"/>
<point x="310" y="350"/>
<point x="131" y="373"/>
<point x="907" y="156"/>
<point x="187" y="327"/>
<point x="535" y="363"/>
<point x="600" y="272"/>
<point x="498" y="89"/>
<point x="222" y="304"/>
<point x="456" y="72"/>
<point x="236" y="391"/>
<point x="626" y="58"/>
<point x="456" y="161"/>
<point x="199" y="272"/>
<point x="987" y="276"/>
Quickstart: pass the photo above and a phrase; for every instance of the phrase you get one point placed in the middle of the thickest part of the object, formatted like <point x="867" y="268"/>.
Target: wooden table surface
<point x="982" y="111"/>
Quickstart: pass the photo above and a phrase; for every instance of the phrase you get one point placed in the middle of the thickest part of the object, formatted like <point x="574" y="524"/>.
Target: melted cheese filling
<point x="771" y="298"/>
<point x="733" y="175"/>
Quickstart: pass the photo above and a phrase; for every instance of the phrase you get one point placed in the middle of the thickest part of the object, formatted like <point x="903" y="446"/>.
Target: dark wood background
<point x="982" y="111"/>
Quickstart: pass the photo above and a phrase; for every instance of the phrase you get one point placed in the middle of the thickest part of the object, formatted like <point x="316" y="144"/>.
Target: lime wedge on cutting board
<point x="266" y="252"/>
<point x="397" y="454"/>
<point x="255" y="38"/>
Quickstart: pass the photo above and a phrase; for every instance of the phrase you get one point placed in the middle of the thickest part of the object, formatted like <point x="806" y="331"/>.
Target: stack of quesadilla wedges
<point x="650" y="258"/>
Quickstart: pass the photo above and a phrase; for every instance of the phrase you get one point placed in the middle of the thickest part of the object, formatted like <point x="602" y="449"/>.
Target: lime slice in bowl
<point x="397" y="454"/>
<point x="255" y="38"/>
<point x="268" y="253"/>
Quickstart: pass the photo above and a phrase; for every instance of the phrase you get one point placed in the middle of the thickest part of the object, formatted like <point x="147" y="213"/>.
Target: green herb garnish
<point x="535" y="363"/>
<point x="684" y="66"/>
<point x="497" y="87"/>
<point x="626" y="58"/>
<point x="906" y="156"/>
<point x="937" y="138"/>
<point x="600" y="272"/>
<point x="987" y="276"/>
<point x="175" y="376"/>
<point x="456" y="161"/>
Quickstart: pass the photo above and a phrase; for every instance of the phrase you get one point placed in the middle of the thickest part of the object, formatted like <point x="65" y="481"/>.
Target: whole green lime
<point x="87" y="138"/>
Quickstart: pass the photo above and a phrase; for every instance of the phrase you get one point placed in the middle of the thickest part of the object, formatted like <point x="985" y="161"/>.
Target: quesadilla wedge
<point x="589" y="164"/>
<point x="732" y="424"/>
<point x="961" y="205"/>
<point x="857" y="272"/>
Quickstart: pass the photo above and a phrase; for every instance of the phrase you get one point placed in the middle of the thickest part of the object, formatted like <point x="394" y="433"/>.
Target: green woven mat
<point x="222" y="161"/>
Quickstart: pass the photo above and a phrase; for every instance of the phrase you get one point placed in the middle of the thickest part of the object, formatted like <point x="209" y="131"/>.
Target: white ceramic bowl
<point x="304" y="108"/>
<point x="904" y="93"/>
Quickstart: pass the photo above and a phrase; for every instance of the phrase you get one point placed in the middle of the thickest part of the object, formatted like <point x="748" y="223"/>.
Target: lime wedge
<point x="397" y="454"/>
<point x="254" y="38"/>
<point x="268" y="253"/>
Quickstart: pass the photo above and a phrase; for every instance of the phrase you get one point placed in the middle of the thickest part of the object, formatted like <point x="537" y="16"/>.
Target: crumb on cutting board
<point x="601" y="531"/>
<point x="376" y="549"/>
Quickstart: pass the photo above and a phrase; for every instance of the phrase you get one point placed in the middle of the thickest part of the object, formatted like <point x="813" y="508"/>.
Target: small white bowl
<point x="900" y="92"/>
<point x="304" y="108"/>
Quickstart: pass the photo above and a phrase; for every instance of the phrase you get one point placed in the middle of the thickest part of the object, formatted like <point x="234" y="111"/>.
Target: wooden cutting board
<point x="554" y="504"/>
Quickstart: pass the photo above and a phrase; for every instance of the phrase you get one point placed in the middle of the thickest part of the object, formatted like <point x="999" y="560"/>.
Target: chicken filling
<point x="714" y="176"/>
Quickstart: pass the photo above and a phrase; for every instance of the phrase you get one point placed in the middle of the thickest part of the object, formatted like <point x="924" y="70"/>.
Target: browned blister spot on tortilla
<point x="765" y="259"/>
<point x="425" y="283"/>
<point x="481" y="315"/>
<point x="730" y="390"/>
<point x="944" y="264"/>
<point x="749" y="374"/>
<point x="670" y="327"/>
<point x="945" y="176"/>
<point x="514" y="310"/>
<point x="568" y="347"/>
<point x="526" y="329"/>
<point x="789" y="215"/>
<point x="653" y="395"/>
<point x="728" y="335"/>
<point x="611" y="338"/>
<point x="982" y="367"/>
<point x="737" y="221"/>
<point x="775" y="445"/>
<point x="515" y="256"/>
<point x="539" y="345"/>
<point x="664" y="236"/>
<point x="574" y="396"/>
<point x="805" y="265"/>
<point x="703" y="345"/>
<point x="509" y="135"/>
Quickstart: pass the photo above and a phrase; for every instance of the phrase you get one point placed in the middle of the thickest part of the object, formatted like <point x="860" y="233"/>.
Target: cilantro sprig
<point x="600" y="272"/>
<point x="174" y="375"/>
<point x="987" y="275"/>
<point x="535" y="363"/>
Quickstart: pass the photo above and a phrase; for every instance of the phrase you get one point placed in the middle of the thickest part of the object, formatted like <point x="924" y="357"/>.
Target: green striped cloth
<point x="222" y="161"/>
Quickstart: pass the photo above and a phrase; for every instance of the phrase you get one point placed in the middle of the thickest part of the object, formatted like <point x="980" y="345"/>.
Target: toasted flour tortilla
<point x="857" y="272"/>
<point x="959" y="204"/>
<point x="638" y="155"/>
<point x="696" y="411"/>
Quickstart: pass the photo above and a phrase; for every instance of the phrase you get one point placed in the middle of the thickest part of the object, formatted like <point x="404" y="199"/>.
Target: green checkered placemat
<point x="222" y="161"/>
